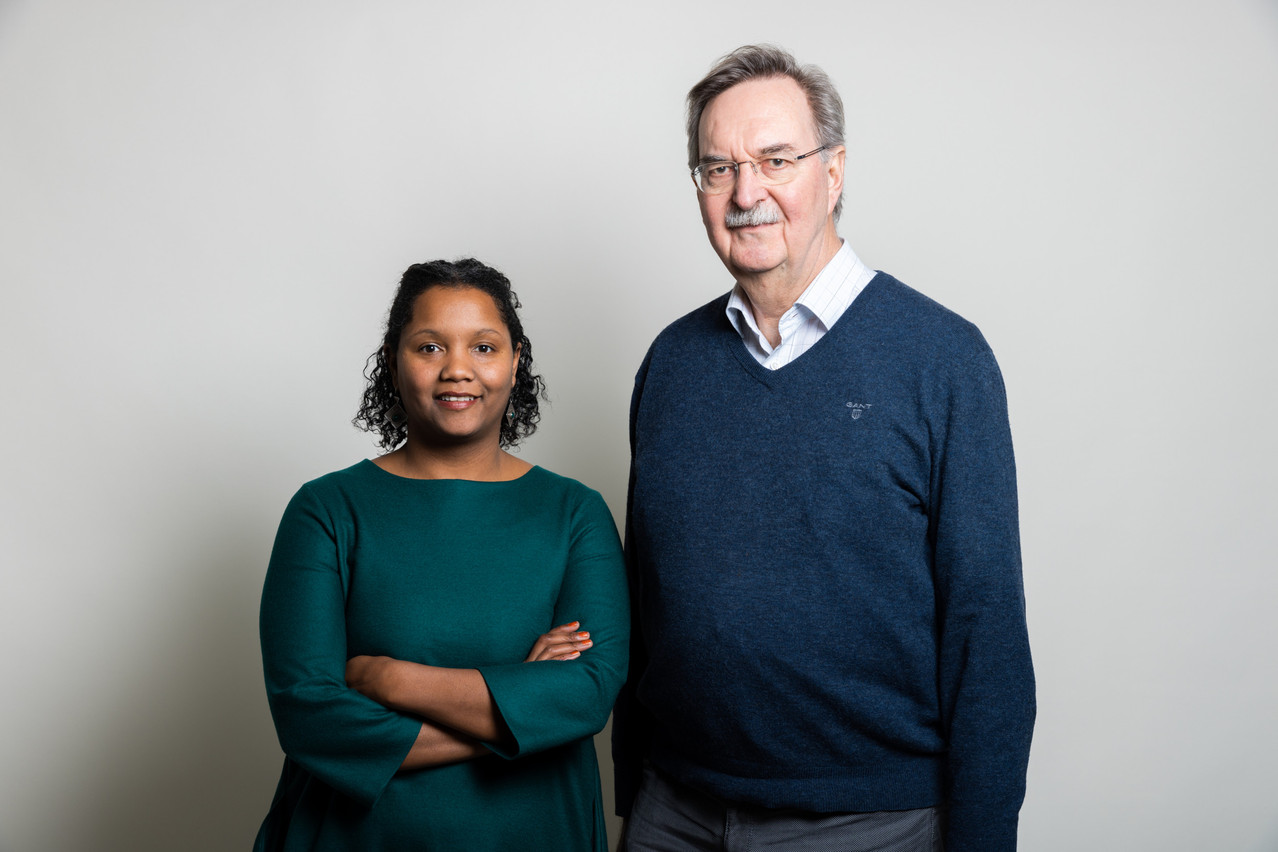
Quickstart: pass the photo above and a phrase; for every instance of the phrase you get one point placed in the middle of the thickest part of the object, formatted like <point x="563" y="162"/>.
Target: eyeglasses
<point x="719" y="177"/>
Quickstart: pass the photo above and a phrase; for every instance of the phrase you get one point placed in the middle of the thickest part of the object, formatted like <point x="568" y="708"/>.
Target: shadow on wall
<point x="189" y="758"/>
<point x="1270" y="842"/>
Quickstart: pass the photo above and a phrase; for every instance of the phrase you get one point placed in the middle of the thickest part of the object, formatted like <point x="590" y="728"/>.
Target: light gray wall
<point x="204" y="208"/>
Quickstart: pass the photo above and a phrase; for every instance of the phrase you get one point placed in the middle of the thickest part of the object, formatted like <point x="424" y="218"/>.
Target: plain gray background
<point x="204" y="209"/>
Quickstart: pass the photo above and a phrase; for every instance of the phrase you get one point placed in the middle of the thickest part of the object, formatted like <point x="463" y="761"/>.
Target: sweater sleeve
<point x="345" y="739"/>
<point x="631" y="727"/>
<point x="986" y="678"/>
<point x="552" y="702"/>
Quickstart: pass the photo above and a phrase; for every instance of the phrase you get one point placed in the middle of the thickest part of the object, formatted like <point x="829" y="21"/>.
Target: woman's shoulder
<point x="548" y="483"/>
<point x="543" y="478"/>
<point x="325" y="488"/>
<point x="362" y="471"/>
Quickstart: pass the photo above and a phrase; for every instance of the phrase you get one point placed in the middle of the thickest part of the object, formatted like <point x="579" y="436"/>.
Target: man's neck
<point x="774" y="292"/>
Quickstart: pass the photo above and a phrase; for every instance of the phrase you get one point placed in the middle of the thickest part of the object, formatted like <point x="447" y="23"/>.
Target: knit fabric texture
<point x="825" y="568"/>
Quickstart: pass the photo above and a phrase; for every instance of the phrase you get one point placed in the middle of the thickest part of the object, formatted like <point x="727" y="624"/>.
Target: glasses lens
<point x="716" y="177"/>
<point x="777" y="169"/>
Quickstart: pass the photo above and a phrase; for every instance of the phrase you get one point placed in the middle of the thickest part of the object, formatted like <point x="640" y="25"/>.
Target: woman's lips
<point x="456" y="401"/>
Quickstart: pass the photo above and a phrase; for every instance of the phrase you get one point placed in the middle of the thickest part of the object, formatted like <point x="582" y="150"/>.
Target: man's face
<point x="748" y="122"/>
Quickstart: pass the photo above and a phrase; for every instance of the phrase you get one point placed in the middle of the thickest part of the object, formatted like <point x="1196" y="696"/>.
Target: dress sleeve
<point x="986" y="677"/>
<point x="552" y="702"/>
<point x="345" y="739"/>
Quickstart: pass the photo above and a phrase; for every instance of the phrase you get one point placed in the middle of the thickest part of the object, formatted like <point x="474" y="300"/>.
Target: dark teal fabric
<point x="450" y="573"/>
<point x="826" y="564"/>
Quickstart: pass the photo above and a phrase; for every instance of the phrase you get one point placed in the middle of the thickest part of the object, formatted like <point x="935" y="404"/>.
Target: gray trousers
<point x="670" y="817"/>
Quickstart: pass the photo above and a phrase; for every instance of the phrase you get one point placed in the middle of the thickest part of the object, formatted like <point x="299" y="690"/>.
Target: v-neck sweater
<point x="825" y="562"/>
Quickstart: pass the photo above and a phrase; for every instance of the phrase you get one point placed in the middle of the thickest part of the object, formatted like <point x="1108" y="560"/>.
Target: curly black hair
<point x="375" y="411"/>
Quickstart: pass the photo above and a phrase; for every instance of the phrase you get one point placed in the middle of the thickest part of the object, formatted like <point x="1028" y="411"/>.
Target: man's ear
<point x="834" y="173"/>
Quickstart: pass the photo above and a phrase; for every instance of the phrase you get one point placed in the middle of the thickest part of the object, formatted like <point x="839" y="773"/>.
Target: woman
<point x="422" y="695"/>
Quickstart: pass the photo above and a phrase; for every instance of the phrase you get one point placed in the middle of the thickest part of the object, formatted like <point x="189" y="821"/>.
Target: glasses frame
<point x="736" y="171"/>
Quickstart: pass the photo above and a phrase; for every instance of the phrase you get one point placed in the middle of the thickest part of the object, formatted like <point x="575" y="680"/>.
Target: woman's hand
<point x="371" y="676"/>
<point x="564" y="642"/>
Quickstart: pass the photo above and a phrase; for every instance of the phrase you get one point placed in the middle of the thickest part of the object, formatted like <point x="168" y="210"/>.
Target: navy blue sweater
<point x="825" y="565"/>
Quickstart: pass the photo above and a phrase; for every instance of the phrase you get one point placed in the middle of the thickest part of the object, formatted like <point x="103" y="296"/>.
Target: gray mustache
<point x="759" y="214"/>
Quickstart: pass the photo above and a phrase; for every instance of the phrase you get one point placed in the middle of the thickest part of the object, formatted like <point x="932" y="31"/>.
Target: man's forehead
<point x="769" y="115"/>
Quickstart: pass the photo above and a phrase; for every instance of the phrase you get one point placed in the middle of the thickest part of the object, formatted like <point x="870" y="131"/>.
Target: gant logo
<point x="858" y="408"/>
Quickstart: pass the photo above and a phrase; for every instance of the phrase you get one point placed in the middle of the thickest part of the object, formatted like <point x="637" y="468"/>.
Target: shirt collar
<point x="825" y="298"/>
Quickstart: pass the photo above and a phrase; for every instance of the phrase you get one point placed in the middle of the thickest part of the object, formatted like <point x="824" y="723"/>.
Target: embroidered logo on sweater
<point x="858" y="409"/>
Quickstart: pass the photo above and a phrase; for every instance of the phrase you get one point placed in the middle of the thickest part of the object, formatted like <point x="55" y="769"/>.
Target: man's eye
<point x="718" y="171"/>
<point x="777" y="163"/>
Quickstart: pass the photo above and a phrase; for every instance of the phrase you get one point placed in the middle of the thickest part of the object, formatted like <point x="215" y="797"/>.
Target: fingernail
<point x="574" y="655"/>
<point x="582" y="635"/>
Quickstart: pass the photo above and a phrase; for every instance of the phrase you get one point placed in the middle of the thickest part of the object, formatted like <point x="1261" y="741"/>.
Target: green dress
<point x="449" y="573"/>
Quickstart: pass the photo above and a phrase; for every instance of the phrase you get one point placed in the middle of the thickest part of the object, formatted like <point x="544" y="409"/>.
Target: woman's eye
<point x="485" y="348"/>
<point x="428" y="347"/>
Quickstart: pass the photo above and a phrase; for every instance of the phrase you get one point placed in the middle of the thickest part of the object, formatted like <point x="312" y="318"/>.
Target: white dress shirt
<point x="810" y="317"/>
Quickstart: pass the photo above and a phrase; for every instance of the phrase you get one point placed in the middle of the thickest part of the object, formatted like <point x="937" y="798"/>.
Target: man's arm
<point x="985" y="673"/>
<point x="630" y="722"/>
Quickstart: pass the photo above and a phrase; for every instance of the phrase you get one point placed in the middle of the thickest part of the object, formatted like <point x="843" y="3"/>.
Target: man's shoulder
<point x="707" y="319"/>
<point x="909" y="314"/>
<point x="687" y="337"/>
<point x="900" y="298"/>
<point x="692" y="330"/>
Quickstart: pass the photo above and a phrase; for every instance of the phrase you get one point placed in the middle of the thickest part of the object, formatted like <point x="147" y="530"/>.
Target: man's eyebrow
<point x="764" y="153"/>
<point x="779" y="148"/>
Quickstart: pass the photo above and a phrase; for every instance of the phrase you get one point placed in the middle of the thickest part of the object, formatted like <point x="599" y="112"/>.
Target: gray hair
<point x="759" y="61"/>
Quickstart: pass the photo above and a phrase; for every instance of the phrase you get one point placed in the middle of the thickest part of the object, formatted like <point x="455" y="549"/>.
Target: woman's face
<point x="454" y="367"/>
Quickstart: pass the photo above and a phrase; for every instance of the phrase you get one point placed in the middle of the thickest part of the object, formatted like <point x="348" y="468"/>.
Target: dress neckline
<point x="369" y="464"/>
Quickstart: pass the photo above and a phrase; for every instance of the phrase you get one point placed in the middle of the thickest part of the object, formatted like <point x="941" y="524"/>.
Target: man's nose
<point x="748" y="190"/>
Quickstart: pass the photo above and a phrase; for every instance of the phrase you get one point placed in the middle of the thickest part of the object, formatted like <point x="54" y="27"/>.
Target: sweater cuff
<point x="977" y="829"/>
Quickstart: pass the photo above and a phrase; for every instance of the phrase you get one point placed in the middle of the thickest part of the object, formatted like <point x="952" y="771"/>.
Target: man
<point x="830" y="647"/>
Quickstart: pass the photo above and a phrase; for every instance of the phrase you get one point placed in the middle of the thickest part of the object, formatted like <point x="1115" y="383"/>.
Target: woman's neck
<point x="480" y="463"/>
